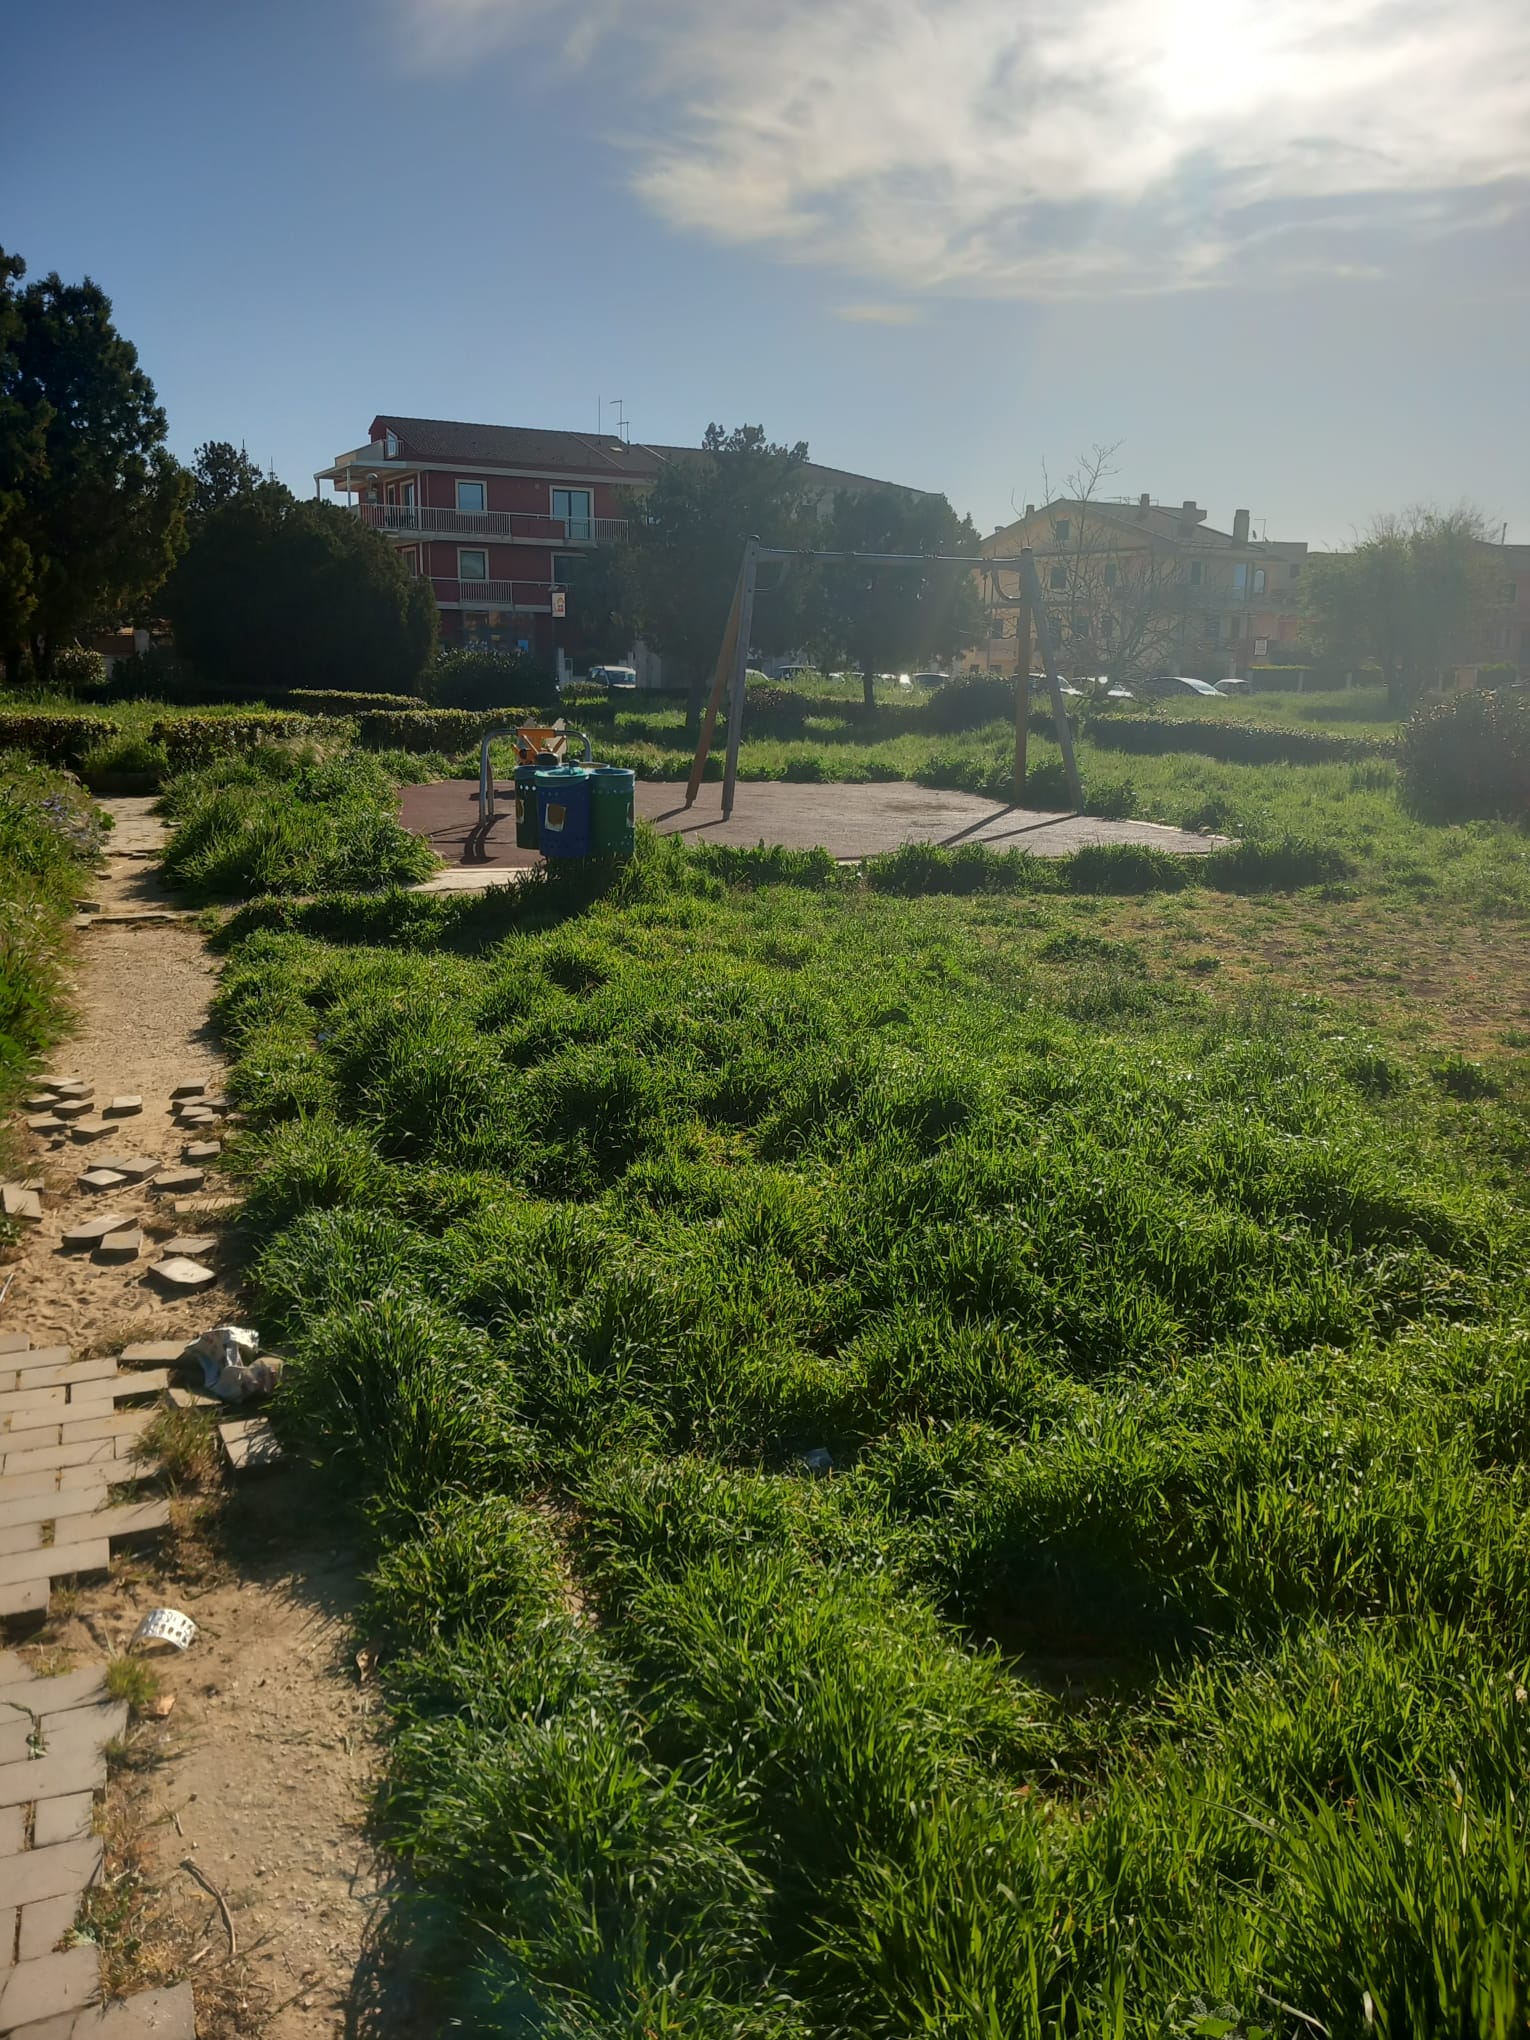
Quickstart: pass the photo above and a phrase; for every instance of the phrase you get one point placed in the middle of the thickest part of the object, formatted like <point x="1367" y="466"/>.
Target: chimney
<point x="1189" y="516"/>
<point x="1240" y="527"/>
<point x="1030" y="509"/>
<point x="1144" y="504"/>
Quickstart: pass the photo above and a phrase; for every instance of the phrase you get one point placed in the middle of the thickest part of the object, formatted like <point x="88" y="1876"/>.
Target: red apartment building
<point x="500" y="517"/>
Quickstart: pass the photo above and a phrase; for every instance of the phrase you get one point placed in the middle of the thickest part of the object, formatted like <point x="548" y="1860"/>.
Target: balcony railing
<point x="411" y="520"/>
<point x="492" y="594"/>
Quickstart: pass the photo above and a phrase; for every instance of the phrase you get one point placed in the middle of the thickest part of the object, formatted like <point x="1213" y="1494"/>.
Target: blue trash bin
<point x="563" y="811"/>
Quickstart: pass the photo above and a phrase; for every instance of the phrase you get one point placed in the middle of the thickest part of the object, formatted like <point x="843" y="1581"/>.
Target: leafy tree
<point x="1409" y="596"/>
<point x="687" y="540"/>
<point x="92" y="515"/>
<point x="223" y="473"/>
<point x="274" y="592"/>
<point x="879" y="617"/>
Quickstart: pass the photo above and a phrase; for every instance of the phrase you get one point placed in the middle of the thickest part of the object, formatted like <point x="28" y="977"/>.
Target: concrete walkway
<point x="847" y="821"/>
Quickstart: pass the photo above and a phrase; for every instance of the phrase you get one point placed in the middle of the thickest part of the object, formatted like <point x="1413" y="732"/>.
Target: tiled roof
<point x="529" y="446"/>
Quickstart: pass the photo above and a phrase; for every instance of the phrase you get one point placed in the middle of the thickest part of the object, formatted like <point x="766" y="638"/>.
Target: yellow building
<point x="1135" y="588"/>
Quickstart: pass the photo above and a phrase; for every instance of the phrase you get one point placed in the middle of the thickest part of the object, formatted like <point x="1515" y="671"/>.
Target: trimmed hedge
<point x="338" y="701"/>
<point x="54" y="739"/>
<point x="436" y="729"/>
<point x="1235" y="743"/>
<point x="193" y="740"/>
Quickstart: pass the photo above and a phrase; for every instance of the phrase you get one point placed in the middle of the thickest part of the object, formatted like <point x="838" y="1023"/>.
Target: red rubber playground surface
<point x="847" y="821"/>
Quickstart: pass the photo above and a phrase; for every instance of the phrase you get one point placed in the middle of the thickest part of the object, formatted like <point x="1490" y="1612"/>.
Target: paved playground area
<point x="847" y="821"/>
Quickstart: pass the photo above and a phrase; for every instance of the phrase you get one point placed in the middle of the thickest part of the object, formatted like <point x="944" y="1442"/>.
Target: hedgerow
<point x="50" y="836"/>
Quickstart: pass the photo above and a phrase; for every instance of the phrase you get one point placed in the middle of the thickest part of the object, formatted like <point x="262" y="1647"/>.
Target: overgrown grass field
<point x="930" y="1476"/>
<point x="50" y="836"/>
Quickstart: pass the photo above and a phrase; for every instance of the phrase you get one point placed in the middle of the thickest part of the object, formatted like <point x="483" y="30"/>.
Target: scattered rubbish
<point x="157" y="1708"/>
<point x="818" y="1462"/>
<point x="366" y="1661"/>
<point x="165" y="1625"/>
<point x="230" y="1369"/>
<point x="177" y="1272"/>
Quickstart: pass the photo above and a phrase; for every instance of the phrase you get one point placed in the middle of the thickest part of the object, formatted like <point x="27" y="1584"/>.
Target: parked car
<point x="1040" y="685"/>
<point x="1196" y="686"/>
<point x="614" y="676"/>
<point x="1233" y="683"/>
<point x="923" y="679"/>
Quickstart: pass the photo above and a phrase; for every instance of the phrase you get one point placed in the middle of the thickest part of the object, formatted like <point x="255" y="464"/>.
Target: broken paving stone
<point x="73" y="1087"/>
<point x="71" y="1108"/>
<point x="133" y="1167"/>
<point x="90" y="1129"/>
<point x="201" y="1151"/>
<point x="192" y="1244"/>
<point x="122" y="1246"/>
<point x="95" y="1229"/>
<point x="250" y="1444"/>
<point x="46" y="1122"/>
<point x="44" y="1103"/>
<point x="188" y="1090"/>
<point x="19" y="1202"/>
<point x="177" y="1181"/>
<point x="102" y="1179"/>
<point x="180" y="1273"/>
<point x="128" y="1103"/>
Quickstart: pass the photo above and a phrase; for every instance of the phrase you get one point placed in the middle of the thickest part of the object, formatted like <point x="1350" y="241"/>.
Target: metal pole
<point x="714" y="699"/>
<point x="740" y="669"/>
<point x="1022" y="695"/>
<point x="1030" y="585"/>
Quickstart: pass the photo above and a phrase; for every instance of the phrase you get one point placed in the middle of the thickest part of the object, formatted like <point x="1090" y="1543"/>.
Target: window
<point x="576" y="510"/>
<point x="1240" y="578"/>
<point x="1058" y="578"/>
<point x="1259" y="580"/>
<point x="1061" y="529"/>
<point x="470" y="497"/>
<point x="411" y="561"/>
<point x="1110" y="573"/>
<point x="1197" y="568"/>
<point x="390" y="446"/>
<point x="567" y="568"/>
<point x="407" y="496"/>
<point x="472" y="566"/>
<point x="1261" y="646"/>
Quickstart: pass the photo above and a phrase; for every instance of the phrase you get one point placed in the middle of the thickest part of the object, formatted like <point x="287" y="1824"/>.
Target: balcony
<point x="409" y="520"/>
<point x="522" y="595"/>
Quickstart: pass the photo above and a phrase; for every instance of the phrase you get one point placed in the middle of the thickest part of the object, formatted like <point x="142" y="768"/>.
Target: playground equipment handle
<point x="486" y="777"/>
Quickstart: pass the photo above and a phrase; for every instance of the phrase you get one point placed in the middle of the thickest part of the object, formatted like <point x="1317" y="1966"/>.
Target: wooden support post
<point x="714" y="699"/>
<point x="740" y="671"/>
<point x="1022" y="695"/>
<point x="1030" y="587"/>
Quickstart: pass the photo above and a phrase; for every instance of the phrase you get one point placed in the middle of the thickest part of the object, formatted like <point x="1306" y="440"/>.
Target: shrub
<point x="1468" y="758"/>
<point x="129" y="757"/>
<point x="54" y="739"/>
<point x="471" y="679"/>
<point x="49" y="835"/>
<point x="77" y="670"/>
<point x="194" y="740"/>
<point x="969" y="703"/>
<point x="435" y="729"/>
<point x="340" y="701"/>
<point x="1237" y="743"/>
<point x="158" y="675"/>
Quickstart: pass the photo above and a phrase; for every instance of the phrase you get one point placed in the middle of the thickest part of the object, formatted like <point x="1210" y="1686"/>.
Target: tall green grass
<point x="50" y="835"/>
<point x="1152" y="1659"/>
<point x="285" y="819"/>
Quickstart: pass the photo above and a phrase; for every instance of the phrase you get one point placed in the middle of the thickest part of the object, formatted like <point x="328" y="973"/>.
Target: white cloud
<point x="878" y="314"/>
<point x="1036" y="148"/>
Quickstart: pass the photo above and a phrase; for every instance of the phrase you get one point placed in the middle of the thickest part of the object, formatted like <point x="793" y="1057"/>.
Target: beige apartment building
<point x="1139" y="586"/>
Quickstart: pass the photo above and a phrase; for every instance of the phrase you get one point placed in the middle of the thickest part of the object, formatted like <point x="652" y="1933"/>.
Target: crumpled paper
<point x="230" y="1369"/>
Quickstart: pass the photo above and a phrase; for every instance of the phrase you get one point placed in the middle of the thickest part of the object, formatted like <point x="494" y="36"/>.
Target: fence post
<point x="740" y="669"/>
<point x="1022" y="694"/>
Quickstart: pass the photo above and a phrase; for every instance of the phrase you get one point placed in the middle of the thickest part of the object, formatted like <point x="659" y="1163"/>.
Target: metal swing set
<point x="733" y="655"/>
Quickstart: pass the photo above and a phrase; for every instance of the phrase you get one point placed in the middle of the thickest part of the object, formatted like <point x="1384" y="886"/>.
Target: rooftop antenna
<point x="621" y="421"/>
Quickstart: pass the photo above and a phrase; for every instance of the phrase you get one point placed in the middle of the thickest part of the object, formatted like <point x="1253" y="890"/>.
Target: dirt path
<point x="260" y="1773"/>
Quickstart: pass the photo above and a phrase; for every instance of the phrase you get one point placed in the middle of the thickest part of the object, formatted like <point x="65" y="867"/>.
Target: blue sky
<point x="1279" y="252"/>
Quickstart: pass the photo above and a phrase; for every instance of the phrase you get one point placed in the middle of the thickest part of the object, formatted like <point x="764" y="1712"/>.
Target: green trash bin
<point x="612" y="794"/>
<point x="526" y="835"/>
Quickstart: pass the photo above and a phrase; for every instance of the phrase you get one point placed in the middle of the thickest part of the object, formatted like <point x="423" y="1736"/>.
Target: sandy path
<point x="265" y="1761"/>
